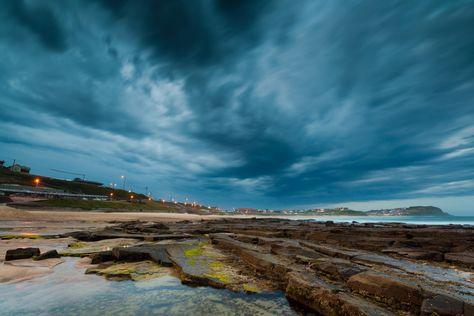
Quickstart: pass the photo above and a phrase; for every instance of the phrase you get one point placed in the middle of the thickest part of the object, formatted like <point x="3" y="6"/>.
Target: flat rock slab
<point x="26" y="269"/>
<point x="82" y="248"/>
<point x="12" y="274"/>
<point x="110" y="234"/>
<point x="387" y="289"/>
<point x="335" y="268"/>
<point x="466" y="258"/>
<point x="327" y="299"/>
<point x="442" y="305"/>
<point x="136" y="271"/>
<point x="199" y="263"/>
<point x="154" y="252"/>
<point x="262" y="261"/>
<point x="335" y="252"/>
<point x="47" y="263"/>
<point x="456" y="280"/>
<point x="415" y="254"/>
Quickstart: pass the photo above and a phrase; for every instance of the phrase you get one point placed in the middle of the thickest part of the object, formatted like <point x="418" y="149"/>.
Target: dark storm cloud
<point x="193" y="34"/>
<point x="260" y="101"/>
<point x="40" y="20"/>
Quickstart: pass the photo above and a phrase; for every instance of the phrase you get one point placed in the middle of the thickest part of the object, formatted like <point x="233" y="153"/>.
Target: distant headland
<point x="344" y="211"/>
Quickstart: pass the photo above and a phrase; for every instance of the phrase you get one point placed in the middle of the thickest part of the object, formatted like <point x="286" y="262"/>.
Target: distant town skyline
<point x="265" y="104"/>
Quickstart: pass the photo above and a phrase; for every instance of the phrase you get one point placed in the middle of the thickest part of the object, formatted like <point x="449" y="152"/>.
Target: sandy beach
<point x="54" y="215"/>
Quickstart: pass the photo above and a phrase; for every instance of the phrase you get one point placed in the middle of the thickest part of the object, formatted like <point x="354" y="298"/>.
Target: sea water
<point x="426" y="220"/>
<point x="68" y="291"/>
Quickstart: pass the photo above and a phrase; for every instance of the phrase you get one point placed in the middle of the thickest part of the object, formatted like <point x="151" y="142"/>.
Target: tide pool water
<point x="68" y="291"/>
<point x="427" y="220"/>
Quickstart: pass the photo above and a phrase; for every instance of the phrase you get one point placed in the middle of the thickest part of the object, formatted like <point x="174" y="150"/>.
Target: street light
<point x="123" y="183"/>
<point x="37" y="181"/>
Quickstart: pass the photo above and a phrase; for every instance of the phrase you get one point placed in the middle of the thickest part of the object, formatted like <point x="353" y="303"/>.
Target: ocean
<point x="427" y="220"/>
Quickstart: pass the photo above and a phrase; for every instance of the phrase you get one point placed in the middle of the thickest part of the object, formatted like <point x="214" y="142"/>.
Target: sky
<point x="268" y="104"/>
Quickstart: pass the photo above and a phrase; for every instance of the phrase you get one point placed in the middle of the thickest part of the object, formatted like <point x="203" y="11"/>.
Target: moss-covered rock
<point x="19" y="236"/>
<point x="82" y="248"/>
<point x="199" y="263"/>
<point x="135" y="271"/>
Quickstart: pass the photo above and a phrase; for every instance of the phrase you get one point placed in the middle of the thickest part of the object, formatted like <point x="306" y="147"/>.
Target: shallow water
<point x="68" y="291"/>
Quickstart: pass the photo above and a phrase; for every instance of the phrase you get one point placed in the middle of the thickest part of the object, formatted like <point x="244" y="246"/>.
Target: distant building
<point x="246" y="210"/>
<point x="19" y="168"/>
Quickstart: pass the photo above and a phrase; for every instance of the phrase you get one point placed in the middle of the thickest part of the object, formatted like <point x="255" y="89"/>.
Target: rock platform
<point x="323" y="267"/>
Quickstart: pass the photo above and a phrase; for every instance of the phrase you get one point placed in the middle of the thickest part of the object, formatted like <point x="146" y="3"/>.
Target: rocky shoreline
<point x="323" y="267"/>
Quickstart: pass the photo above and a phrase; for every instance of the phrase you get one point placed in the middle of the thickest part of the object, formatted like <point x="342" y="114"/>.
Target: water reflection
<point x="69" y="291"/>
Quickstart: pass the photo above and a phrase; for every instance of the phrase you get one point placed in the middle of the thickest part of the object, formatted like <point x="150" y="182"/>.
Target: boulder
<point x="21" y="253"/>
<point x="47" y="255"/>
<point x="100" y="257"/>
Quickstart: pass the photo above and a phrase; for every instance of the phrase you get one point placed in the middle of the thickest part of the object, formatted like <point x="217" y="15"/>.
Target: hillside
<point x="9" y="177"/>
<point x="411" y="211"/>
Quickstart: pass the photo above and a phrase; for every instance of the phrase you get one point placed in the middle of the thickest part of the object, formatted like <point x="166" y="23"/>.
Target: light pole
<point x="123" y="183"/>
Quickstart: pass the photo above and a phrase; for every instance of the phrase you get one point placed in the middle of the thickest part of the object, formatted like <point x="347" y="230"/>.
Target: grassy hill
<point x="6" y="176"/>
<point x="120" y="203"/>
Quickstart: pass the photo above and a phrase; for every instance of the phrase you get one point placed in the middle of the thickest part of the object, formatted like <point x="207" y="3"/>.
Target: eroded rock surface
<point x="327" y="268"/>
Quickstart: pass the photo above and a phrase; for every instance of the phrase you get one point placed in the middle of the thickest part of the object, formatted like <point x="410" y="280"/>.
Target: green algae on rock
<point x="136" y="271"/>
<point x="82" y="248"/>
<point x="200" y="263"/>
<point x="19" y="236"/>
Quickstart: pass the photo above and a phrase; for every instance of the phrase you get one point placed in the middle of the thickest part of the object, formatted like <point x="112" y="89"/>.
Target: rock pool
<point x="69" y="291"/>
